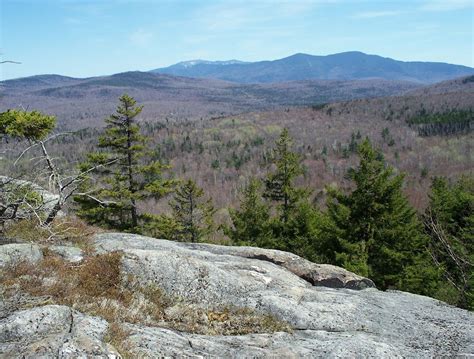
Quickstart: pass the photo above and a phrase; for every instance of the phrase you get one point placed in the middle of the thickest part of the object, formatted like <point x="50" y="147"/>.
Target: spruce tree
<point x="373" y="230"/>
<point x="449" y="222"/>
<point x="301" y="233"/>
<point x="251" y="221"/>
<point x="192" y="213"/>
<point x="112" y="195"/>
<point x="279" y="185"/>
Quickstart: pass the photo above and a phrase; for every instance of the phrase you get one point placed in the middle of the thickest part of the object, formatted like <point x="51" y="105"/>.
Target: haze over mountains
<point x="203" y="89"/>
<point x="352" y="65"/>
<point x="85" y="102"/>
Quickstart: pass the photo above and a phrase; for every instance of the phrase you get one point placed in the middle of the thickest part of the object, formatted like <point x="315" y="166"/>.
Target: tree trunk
<point x="131" y="187"/>
<point x="53" y="213"/>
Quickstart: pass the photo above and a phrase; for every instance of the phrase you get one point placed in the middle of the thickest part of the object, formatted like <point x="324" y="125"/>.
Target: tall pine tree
<point x="373" y="230"/>
<point x="112" y="195"/>
<point x="279" y="184"/>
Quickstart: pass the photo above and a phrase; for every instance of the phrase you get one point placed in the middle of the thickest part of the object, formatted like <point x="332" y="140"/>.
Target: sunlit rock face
<point x="332" y="312"/>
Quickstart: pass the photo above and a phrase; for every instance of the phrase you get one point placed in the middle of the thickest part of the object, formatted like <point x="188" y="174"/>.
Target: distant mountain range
<point x="83" y="102"/>
<point x="343" y="66"/>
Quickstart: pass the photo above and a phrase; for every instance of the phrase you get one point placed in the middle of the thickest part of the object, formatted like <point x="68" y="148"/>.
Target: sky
<point x="101" y="37"/>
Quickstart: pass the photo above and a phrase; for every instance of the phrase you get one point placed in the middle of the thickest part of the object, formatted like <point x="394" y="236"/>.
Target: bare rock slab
<point x="334" y="313"/>
<point x="53" y="331"/>
<point x="19" y="252"/>
<point x="68" y="253"/>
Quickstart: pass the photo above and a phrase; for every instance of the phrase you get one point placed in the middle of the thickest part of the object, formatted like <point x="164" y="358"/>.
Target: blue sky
<point x="90" y="38"/>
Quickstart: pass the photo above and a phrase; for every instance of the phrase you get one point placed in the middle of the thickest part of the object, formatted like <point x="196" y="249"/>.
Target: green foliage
<point x="374" y="232"/>
<point x="295" y="228"/>
<point x="424" y="172"/>
<point x="127" y="177"/>
<point x="301" y="233"/>
<point x="279" y="185"/>
<point x="444" y="123"/>
<point x="161" y="226"/>
<point x="449" y="222"/>
<point x="191" y="213"/>
<point x="354" y="143"/>
<point x="387" y="137"/>
<point x="251" y="221"/>
<point x="18" y="200"/>
<point x="31" y="125"/>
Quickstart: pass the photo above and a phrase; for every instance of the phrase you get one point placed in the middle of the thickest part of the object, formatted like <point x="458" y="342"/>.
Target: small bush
<point x="70" y="230"/>
<point x="100" y="275"/>
<point x="26" y="230"/>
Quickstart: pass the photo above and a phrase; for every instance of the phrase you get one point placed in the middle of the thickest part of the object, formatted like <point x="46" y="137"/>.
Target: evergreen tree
<point x="449" y="222"/>
<point x="279" y="185"/>
<point x="128" y="179"/>
<point x="191" y="212"/>
<point x="161" y="226"/>
<point x="301" y="233"/>
<point x="251" y="221"/>
<point x="18" y="199"/>
<point x="33" y="126"/>
<point x="374" y="232"/>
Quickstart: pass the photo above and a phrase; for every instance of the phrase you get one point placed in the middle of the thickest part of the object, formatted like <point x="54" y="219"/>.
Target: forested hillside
<point x="305" y="178"/>
<point x="220" y="153"/>
<point x="81" y="103"/>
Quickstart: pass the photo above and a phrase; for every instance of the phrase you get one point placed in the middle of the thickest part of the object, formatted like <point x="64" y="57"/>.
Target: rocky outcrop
<point x="68" y="253"/>
<point x="316" y="274"/>
<point x="328" y="319"/>
<point x="53" y="331"/>
<point x="32" y="253"/>
<point x="333" y="313"/>
<point x="19" y="252"/>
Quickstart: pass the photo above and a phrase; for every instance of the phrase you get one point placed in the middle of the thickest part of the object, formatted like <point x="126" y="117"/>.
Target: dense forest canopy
<point x="343" y="202"/>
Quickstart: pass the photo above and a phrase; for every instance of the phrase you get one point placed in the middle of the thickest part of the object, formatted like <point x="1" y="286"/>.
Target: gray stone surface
<point x="69" y="253"/>
<point x="18" y="252"/>
<point x="331" y="319"/>
<point x="53" y="331"/>
<point x="328" y="322"/>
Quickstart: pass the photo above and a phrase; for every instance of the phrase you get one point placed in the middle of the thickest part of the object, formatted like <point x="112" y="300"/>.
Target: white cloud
<point x="446" y="5"/>
<point x="225" y="16"/>
<point x="375" y="14"/>
<point x="141" y="37"/>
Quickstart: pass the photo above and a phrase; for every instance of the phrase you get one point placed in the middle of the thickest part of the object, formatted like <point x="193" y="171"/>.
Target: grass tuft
<point x="97" y="287"/>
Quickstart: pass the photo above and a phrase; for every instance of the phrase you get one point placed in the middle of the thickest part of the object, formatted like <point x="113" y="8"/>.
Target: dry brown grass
<point x="98" y="287"/>
<point x="26" y="230"/>
<point x="222" y="321"/>
<point x="98" y="276"/>
<point x="63" y="230"/>
<point x="117" y="336"/>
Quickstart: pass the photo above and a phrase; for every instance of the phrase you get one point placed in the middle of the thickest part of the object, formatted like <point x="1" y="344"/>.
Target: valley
<point x="220" y="135"/>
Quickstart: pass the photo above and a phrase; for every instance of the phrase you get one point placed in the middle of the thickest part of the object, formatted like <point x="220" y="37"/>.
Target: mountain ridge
<point x="350" y="65"/>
